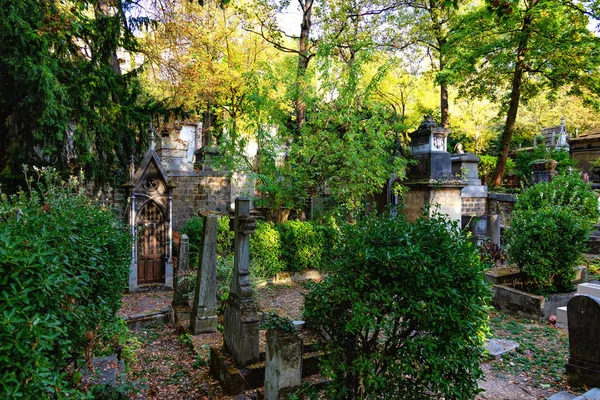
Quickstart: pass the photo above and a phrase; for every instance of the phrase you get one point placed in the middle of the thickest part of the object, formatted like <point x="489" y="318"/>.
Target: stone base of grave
<point x="181" y="315"/>
<point x="240" y="325"/>
<point x="235" y="380"/>
<point x="580" y="373"/>
<point x="204" y="323"/>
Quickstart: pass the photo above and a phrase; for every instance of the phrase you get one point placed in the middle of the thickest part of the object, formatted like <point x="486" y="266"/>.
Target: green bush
<point x="225" y="237"/>
<point x="550" y="224"/>
<point x="487" y="167"/>
<point x="194" y="229"/>
<point x="265" y="251"/>
<point x="547" y="245"/>
<point x="302" y="244"/>
<point x="524" y="159"/>
<point x="405" y="310"/>
<point x="564" y="191"/>
<point x="65" y="262"/>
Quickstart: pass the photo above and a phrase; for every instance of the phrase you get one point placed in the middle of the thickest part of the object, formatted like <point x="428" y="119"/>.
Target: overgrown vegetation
<point x="405" y="310"/>
<point x="550" y="224"/>
<point x="542" y="353"/>
<point x="65" y="262"/>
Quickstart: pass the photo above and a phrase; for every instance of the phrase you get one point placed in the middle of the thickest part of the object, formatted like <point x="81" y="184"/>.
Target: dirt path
<point x="172" y="364"/>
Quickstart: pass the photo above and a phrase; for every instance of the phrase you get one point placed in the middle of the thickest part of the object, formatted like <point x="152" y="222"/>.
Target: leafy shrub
<point x="194" y="229"/>
<point x="487" y="167"/>
<point x="564" y="191"/>
<point x="405" y="308"/>
<point x="524" y="159"/>
<point x="265" y="251"/>
<point x="302" y="244"/>
<point x="65" y="262"/>
<point x="225" y="237"/>
<point x="549" y="227"/>
<point x="547" y="245"/>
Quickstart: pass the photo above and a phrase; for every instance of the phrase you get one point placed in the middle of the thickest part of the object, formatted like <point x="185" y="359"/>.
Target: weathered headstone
<point x="283" y="363"/>
<point x="583" y="313"/>
<point x="240" y="325"/>
<point x="181" y="283"/>
<point x="204" y="309"/>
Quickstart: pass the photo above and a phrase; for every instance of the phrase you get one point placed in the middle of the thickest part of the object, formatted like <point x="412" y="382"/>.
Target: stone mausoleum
<point x="175" y="180"/>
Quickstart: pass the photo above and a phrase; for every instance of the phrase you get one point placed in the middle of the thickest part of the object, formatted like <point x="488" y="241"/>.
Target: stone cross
<point x="204" y="310"/>
<point x="181" y="284"/>
<point x="583" y="314"/>
<point x="240" y="325"/>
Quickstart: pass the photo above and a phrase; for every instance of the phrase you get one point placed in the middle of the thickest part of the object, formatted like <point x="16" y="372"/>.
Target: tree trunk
<point x="303" y="59"/>
<point x="444" y="113"/>
<point x="515" y="97"/>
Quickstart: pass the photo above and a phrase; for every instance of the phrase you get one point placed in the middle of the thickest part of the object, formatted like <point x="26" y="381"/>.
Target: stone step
<point x="591" y="289"/>
<point x="592" y="394"/>
<point x="564" y="395"/>
<point x="561" y="317"/>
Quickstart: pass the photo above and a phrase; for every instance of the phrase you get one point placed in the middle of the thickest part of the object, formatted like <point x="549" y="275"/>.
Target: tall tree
<point x="511" y="51"/>
<point x="62" y="98"/>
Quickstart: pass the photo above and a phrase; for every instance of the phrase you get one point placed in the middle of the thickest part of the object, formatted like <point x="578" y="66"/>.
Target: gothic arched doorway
<point x="151" y="244"/>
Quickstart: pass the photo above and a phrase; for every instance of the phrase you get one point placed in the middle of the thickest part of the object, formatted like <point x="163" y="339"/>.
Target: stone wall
<point x="199" y="191"/>
<point x="474" y="206"/>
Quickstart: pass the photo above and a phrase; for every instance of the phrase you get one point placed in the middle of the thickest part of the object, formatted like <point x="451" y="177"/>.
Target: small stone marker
<point x="181" y="284"/>
<point x="583" y="313"/>
<point x="240" y="325"/>
<point x="204" y="309"/>
<point x="497" y="347"/>
<point x="283" y="363"/>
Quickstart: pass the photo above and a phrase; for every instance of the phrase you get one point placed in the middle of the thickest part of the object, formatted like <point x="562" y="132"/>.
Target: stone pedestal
<point x="181" y="284"/>
<point x="241" y="320"/>
<point x="204" y="309"/>
<point x="283" y="363"/>
<point x="443" y="198"/>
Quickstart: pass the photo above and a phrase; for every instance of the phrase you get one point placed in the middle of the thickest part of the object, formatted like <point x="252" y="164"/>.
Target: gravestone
<point x="583" y="313"/>
<point x="283" y="363"/>
<point x="181" y="283"/>
<point x="204" y="308"/>
<point x="241" y="321"/>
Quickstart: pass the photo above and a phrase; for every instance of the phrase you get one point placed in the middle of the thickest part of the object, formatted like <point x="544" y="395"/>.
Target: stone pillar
<point x="283" y="363"/>
<point x="241" y="317"/>
<point x="181" y="284"/>
<point x="133" y="272"/>
<point x="493" y="228"/>
<point x="169" y="262"/>
<point x="204" y="308"/>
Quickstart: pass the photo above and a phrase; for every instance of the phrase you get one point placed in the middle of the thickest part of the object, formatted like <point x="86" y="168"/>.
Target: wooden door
<point x="151" y="245"/>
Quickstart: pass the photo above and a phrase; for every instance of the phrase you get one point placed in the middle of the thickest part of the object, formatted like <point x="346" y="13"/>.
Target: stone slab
<point x="590" y="289"/>
<point x="592" y="394"/>
<point x="497" y="347"/>
<point x="561" y="317"/>
<point x="105" y="371"/>
<point x="235" y="380"/>
<point x="564" y="395"/>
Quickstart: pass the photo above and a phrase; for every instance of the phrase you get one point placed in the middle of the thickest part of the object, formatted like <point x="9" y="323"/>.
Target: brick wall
<point x="199" y="191"/>
<point x="474" y="206"/>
